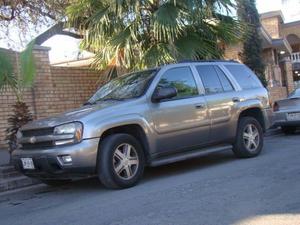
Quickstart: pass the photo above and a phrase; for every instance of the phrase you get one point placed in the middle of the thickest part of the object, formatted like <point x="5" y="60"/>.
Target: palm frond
<point x="7" y="76"/>
<point x="28" y="68"/>
<point x="138" y="34"/>
<point x="167" y="22"/>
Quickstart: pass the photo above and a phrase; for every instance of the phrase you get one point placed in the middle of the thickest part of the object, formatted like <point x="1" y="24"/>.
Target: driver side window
<point x="182" y="79"/>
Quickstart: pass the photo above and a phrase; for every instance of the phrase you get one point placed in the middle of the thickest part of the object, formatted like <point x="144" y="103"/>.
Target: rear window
<point x="295" y="93"/>
<point x="244" y="76"/>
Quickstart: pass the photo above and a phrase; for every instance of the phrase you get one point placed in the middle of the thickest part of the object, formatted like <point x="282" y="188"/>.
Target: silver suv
<point x="149" y="118"/>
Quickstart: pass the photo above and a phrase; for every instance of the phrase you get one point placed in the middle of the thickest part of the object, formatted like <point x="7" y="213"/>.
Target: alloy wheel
<point x="125" y="161"/>
<point x="251" y="137"/>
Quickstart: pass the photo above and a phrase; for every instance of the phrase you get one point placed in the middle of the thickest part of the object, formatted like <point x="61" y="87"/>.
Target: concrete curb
<point x="12" y="179"/>
<point x="4" y="157"/>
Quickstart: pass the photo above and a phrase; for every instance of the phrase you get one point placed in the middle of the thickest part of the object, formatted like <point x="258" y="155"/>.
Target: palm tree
<point x="136" y="34"/>
<point x="16" y="81"/>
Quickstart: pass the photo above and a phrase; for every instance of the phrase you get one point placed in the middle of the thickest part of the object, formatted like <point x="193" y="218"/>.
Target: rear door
<point x="221" y="98"/>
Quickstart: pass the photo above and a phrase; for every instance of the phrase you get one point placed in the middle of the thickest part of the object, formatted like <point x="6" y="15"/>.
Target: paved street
<point x="217" y="189"/>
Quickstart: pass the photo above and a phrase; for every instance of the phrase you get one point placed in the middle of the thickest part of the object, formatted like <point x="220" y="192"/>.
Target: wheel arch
<point x="255" y="112"/>
<point x="134" y="129"/>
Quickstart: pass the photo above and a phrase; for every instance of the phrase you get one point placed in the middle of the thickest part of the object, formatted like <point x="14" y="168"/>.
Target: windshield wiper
<point x="104" y="99"/>
<point x="89" y="103"/>
<point x="111" y="99"/>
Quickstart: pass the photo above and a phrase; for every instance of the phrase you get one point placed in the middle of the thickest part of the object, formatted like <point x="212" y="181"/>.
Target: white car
<point x="287" y="113"/>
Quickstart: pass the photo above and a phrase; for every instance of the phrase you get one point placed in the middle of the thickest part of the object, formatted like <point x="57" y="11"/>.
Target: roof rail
<point x="208" y="60"/>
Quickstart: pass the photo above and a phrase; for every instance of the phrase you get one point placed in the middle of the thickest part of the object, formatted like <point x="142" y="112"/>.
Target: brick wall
<point x="277" y="93"/>
<point x="56" y="89"/>
<point x="73" y="86"/>
<point x="233" y="52"/>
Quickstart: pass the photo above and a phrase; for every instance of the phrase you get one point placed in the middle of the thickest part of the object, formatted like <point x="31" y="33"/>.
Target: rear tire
<point x="249" y="138"/>
<point x="120" y="162"/>
<point x="288" y="130"/>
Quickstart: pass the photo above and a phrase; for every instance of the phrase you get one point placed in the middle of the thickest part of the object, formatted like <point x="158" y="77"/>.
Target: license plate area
<point x="27" y="164"/>
<point x="293" y="116"/>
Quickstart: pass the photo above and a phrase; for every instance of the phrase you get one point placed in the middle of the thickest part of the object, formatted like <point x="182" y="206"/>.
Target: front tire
<point x="249" y="138"/>
<point x="121" y="161"/>
<point x="288" y="130"/>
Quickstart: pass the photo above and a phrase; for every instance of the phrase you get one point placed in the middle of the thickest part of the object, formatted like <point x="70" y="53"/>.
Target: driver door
<point x="181" y="122"/>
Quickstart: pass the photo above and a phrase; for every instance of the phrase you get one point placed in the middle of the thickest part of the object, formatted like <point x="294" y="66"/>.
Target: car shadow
<point x="151" y="173"/>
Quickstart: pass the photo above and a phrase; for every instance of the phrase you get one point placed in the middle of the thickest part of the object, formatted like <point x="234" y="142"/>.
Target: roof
<point x="292" y="24"/>
<point x="277" y="13"/>
<point x="281" y="44"/>
<point x="208" y="60"/>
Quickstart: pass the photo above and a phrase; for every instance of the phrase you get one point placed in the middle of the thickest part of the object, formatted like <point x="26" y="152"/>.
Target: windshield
<point x="295" y="94"/>
<point x="132" y="85"/>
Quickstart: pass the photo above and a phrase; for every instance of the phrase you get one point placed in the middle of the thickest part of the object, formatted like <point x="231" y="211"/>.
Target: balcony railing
<point x="295" y="57"/>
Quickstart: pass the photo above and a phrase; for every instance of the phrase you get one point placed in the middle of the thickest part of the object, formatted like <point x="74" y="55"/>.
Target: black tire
<point x="56" y="183"/>
<point x="288" y="130"/>
<point x="240" y="149"/>
<point x="105" y="164"/>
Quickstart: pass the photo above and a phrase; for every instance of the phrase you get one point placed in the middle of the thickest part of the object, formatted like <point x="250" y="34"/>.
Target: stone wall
<point x="56" y="89"/>
<point x="272" y="26"/>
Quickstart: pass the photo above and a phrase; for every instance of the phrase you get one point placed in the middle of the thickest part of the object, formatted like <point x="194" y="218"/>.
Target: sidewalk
<point x="4" y="157"/>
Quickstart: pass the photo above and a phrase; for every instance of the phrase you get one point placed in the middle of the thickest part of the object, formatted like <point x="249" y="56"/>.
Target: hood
<point x="69" y="116"/>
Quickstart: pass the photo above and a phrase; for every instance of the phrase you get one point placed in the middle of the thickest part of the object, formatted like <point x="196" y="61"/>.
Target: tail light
<point x="275" y="107"/>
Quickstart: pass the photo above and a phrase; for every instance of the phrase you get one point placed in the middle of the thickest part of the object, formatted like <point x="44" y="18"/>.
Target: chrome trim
<point x="26" y="140"/>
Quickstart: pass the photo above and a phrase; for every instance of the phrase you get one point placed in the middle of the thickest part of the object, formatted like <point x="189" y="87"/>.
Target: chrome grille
<point x="37" y="134"/>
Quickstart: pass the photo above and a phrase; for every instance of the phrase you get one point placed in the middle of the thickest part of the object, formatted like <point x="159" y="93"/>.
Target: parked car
<point x="149" y="118"/>
<point x="287" y="113"/>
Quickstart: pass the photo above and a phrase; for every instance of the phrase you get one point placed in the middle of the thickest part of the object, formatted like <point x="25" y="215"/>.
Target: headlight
<point x="74" y="129"/>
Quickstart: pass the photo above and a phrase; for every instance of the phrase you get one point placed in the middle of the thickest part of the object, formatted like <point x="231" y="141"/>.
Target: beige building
<point x="281" y="53"/>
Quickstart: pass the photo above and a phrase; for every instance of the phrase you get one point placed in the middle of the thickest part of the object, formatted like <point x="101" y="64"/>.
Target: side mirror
<point x="162" y="93"/>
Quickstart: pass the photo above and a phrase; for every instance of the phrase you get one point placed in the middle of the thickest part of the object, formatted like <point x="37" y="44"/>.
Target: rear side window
<point x="244" y="76"/>
<point x="210" y="79"/>
<point x="227" y="86"/>
<point x="214" y="79"/>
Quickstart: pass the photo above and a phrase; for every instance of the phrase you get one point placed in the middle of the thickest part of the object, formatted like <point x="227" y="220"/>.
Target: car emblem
<point x="32" y="140"/>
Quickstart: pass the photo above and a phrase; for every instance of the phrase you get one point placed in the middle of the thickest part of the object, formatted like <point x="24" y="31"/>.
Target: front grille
<point x="38" y="132"/>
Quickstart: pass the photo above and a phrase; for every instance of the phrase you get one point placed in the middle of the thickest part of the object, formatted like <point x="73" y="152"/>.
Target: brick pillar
<point x="288" y="73"/>
<point x="43" y="86"/>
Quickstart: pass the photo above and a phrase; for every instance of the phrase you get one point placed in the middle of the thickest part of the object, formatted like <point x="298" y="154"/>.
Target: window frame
<point x="226" y="77"/>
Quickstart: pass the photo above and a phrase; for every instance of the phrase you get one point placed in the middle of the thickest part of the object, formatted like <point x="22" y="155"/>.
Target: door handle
<point x="236" y="99"/>
<point x="200" y="106"/>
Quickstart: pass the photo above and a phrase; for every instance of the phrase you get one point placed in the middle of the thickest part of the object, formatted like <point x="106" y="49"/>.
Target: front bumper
<point x="48" y="163"/>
